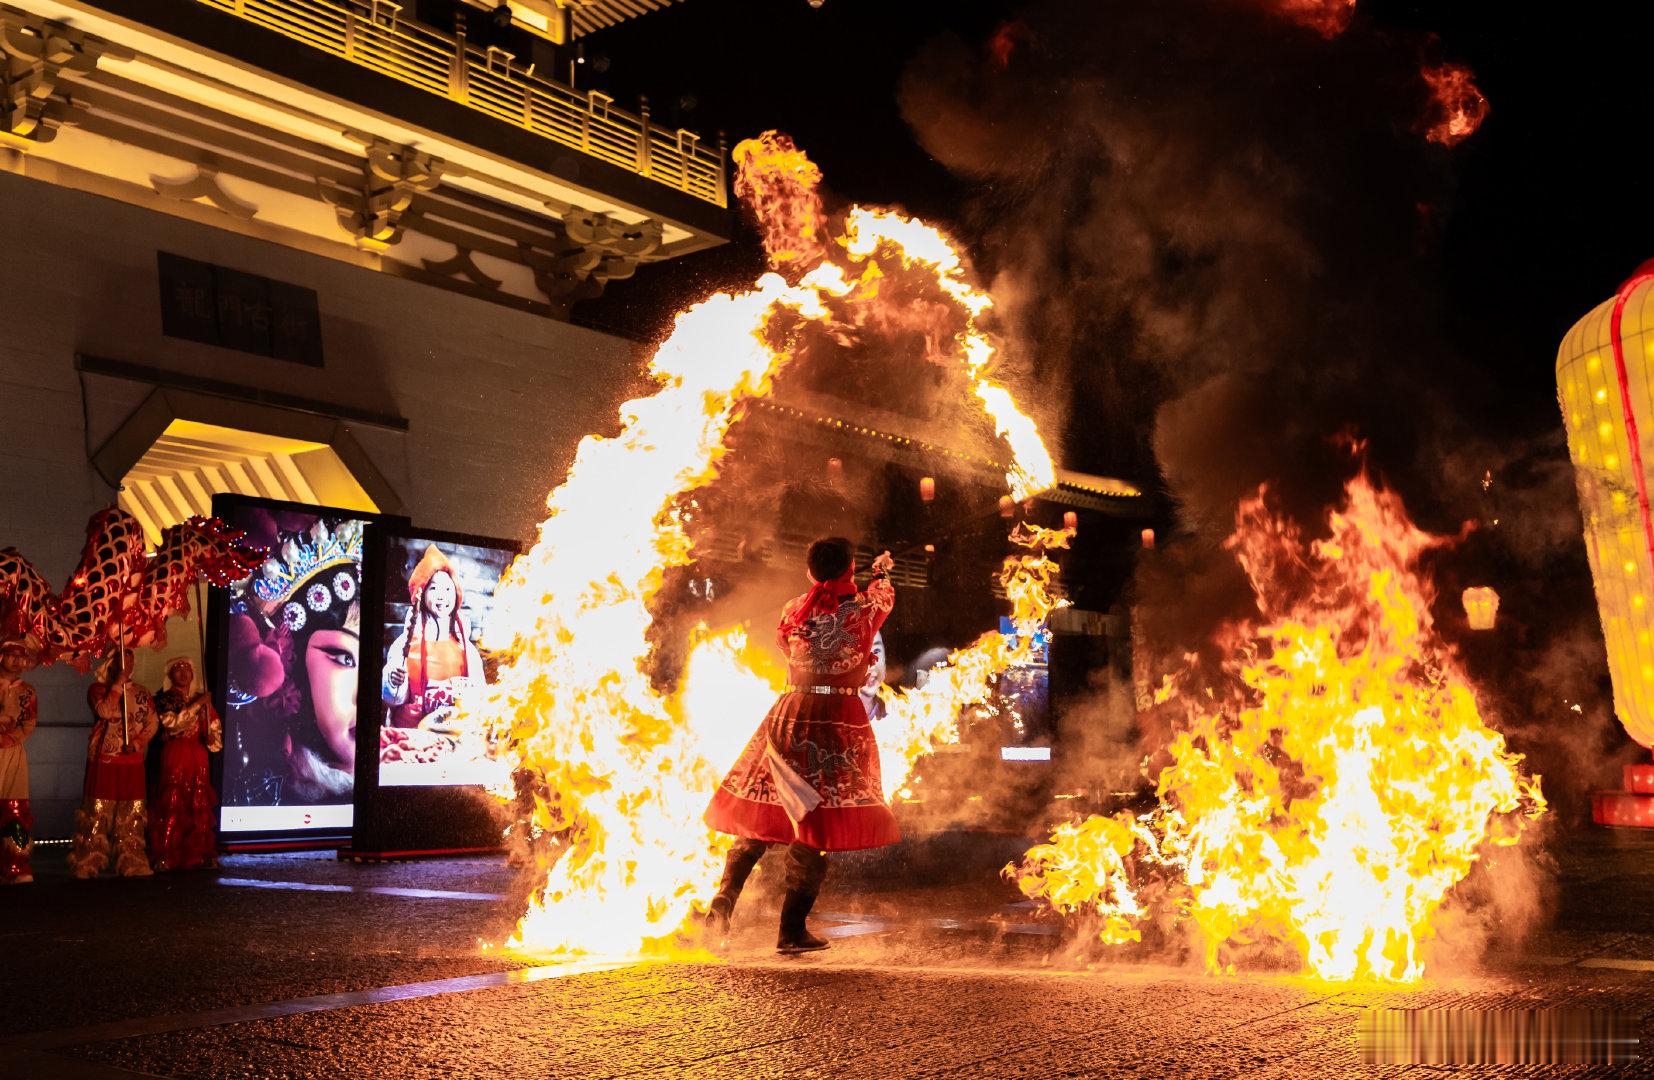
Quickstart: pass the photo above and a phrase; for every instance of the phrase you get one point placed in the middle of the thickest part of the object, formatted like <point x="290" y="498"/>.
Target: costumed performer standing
<point x="112" y="820"/>
<point x="182" y="809"/>
<point x="18" y="711"/>
<point x="809" y="778"/>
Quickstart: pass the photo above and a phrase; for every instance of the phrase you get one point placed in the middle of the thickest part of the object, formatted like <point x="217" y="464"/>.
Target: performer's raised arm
<point x="880" y="594"/>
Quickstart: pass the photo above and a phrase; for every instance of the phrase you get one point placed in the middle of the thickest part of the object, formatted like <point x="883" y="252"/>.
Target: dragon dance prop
<point x="119" y="593"/>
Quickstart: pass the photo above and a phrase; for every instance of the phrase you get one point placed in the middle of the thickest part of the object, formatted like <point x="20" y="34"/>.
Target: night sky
<point x="1548" y="212"/>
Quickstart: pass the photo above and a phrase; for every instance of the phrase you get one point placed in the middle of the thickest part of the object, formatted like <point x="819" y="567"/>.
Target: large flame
<point x="617" y="768"/>
<point x="1329" y="801"/>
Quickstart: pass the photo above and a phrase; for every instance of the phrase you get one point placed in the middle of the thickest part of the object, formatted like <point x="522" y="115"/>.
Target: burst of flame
<point x="782" y="187"/>
<point x="1330" y="800"/>
<point x="916" y="721"/>
<point x="620" y="769"/>
<point x="916" y="244"/>
<point x="1458" y="107"/>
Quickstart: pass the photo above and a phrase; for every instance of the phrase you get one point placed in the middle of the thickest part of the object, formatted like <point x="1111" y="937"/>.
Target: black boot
<point x="794" y="937"/>
<point x="717" y="920"/>
<point x="737" y="868"/>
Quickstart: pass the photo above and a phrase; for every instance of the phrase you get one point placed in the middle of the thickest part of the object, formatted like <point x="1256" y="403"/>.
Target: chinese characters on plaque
<point x="237" y="310"/>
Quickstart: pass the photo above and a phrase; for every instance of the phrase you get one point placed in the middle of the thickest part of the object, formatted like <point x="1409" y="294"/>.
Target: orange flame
<point x="1328" y="802"/>
<point x="916" y="721"/>
<point x="1457" y="106"/>
<point x="615" y="770"/>
<point x="782" y="187"/>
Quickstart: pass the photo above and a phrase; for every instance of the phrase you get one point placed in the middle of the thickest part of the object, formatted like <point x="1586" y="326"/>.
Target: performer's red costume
<point x="811" y="772"/>
<point x="809" y="778"/>
<point x="181" y="811"/>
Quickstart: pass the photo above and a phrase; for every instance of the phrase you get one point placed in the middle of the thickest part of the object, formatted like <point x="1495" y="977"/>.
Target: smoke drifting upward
<point x="1211" y="226"/>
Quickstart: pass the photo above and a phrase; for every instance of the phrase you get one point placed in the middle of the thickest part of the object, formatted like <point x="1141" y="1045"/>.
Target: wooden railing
<point x="372" y="33"/>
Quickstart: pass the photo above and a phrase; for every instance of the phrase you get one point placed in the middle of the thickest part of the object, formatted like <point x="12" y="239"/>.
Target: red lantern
<point x="927" y="488"/>
<point x="1071" y="521"/>
<point x="1007" y="506"/>
<point x="1148" y="539"/>
<point x="835" y="469"/>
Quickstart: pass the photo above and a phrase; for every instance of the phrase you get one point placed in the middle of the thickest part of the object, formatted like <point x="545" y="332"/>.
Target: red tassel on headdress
<point x="822" y="599"/>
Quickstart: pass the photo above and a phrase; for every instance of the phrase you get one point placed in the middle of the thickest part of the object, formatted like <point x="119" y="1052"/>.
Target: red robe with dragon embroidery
<point x="810" y="774"/>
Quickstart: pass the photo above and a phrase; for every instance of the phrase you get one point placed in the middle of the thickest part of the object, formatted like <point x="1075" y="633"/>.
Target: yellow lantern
<point x="1481" y="606"/>
<point x="1604" y="379"/>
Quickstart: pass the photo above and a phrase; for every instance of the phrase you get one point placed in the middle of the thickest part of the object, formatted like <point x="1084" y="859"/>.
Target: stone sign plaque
<point x="237" y="310"/>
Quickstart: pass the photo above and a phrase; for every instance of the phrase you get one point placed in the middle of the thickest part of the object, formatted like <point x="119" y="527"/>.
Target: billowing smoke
<point x="1213" y="225"/>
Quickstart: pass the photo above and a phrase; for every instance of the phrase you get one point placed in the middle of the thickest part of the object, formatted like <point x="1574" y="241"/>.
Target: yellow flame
<point x="916" y="721"/>
<point x="622" y="768"/>
<point x="1330" y="801"/>
<point x="782" y="186"/>
<point x="917" y="244"/>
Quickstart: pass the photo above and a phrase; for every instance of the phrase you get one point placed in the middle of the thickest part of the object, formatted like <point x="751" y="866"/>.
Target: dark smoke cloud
<point x="1212" y="232"/>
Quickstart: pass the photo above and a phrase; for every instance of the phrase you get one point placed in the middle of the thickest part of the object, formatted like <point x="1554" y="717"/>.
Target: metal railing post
<point x="686" y="157"/>
<point x="722" y="180"/>
<point x="643" y="148"/>
<point x="458" y="75"/>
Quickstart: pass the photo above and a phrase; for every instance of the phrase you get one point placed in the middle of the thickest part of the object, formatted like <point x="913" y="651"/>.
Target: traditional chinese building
<point x="317" y="250"/>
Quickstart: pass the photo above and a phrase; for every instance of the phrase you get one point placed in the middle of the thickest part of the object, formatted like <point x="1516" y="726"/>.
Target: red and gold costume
<point x="18" y="711"/>
<point x="110" y="825"/>
<point x="810" y="774"/>
<point x="181" y="811"/>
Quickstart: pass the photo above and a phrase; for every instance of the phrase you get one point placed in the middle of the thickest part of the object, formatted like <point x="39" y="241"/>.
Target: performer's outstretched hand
<point x="883" y="563"/>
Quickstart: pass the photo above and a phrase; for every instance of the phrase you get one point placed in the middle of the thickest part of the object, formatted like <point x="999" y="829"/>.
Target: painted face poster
<point x="292" y="648"/>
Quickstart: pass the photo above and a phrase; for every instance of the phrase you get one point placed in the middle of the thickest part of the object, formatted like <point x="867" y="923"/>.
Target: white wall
<point x="496" y="398"/>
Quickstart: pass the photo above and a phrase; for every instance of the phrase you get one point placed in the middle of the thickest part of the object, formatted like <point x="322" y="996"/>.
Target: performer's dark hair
<point x="829" y="557"/>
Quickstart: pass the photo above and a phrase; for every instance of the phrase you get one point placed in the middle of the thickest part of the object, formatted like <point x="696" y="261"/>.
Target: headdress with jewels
<point x="314" y="580"/>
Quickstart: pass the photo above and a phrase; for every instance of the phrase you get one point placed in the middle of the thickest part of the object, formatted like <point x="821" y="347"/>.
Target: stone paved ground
<point x="300" y="966"/>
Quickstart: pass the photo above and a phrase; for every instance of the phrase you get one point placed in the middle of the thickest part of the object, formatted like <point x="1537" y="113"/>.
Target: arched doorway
<point x="179" y="449"/>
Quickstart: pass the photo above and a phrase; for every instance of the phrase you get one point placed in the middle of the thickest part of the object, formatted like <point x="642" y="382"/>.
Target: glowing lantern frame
<point x="1605" y="385"/>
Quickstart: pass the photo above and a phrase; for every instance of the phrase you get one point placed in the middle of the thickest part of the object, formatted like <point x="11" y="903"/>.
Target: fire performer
<point x="112" y="820"/>
<point x="809" y="778"/>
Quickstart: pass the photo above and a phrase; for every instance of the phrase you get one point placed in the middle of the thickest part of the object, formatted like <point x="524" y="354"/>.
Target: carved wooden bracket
<point x="34" y="53"/>
<point x="391" y="177"/>
<point x="463" y="264"/>
<point x="597" y="249"/>
<point x="204" y="185"/>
